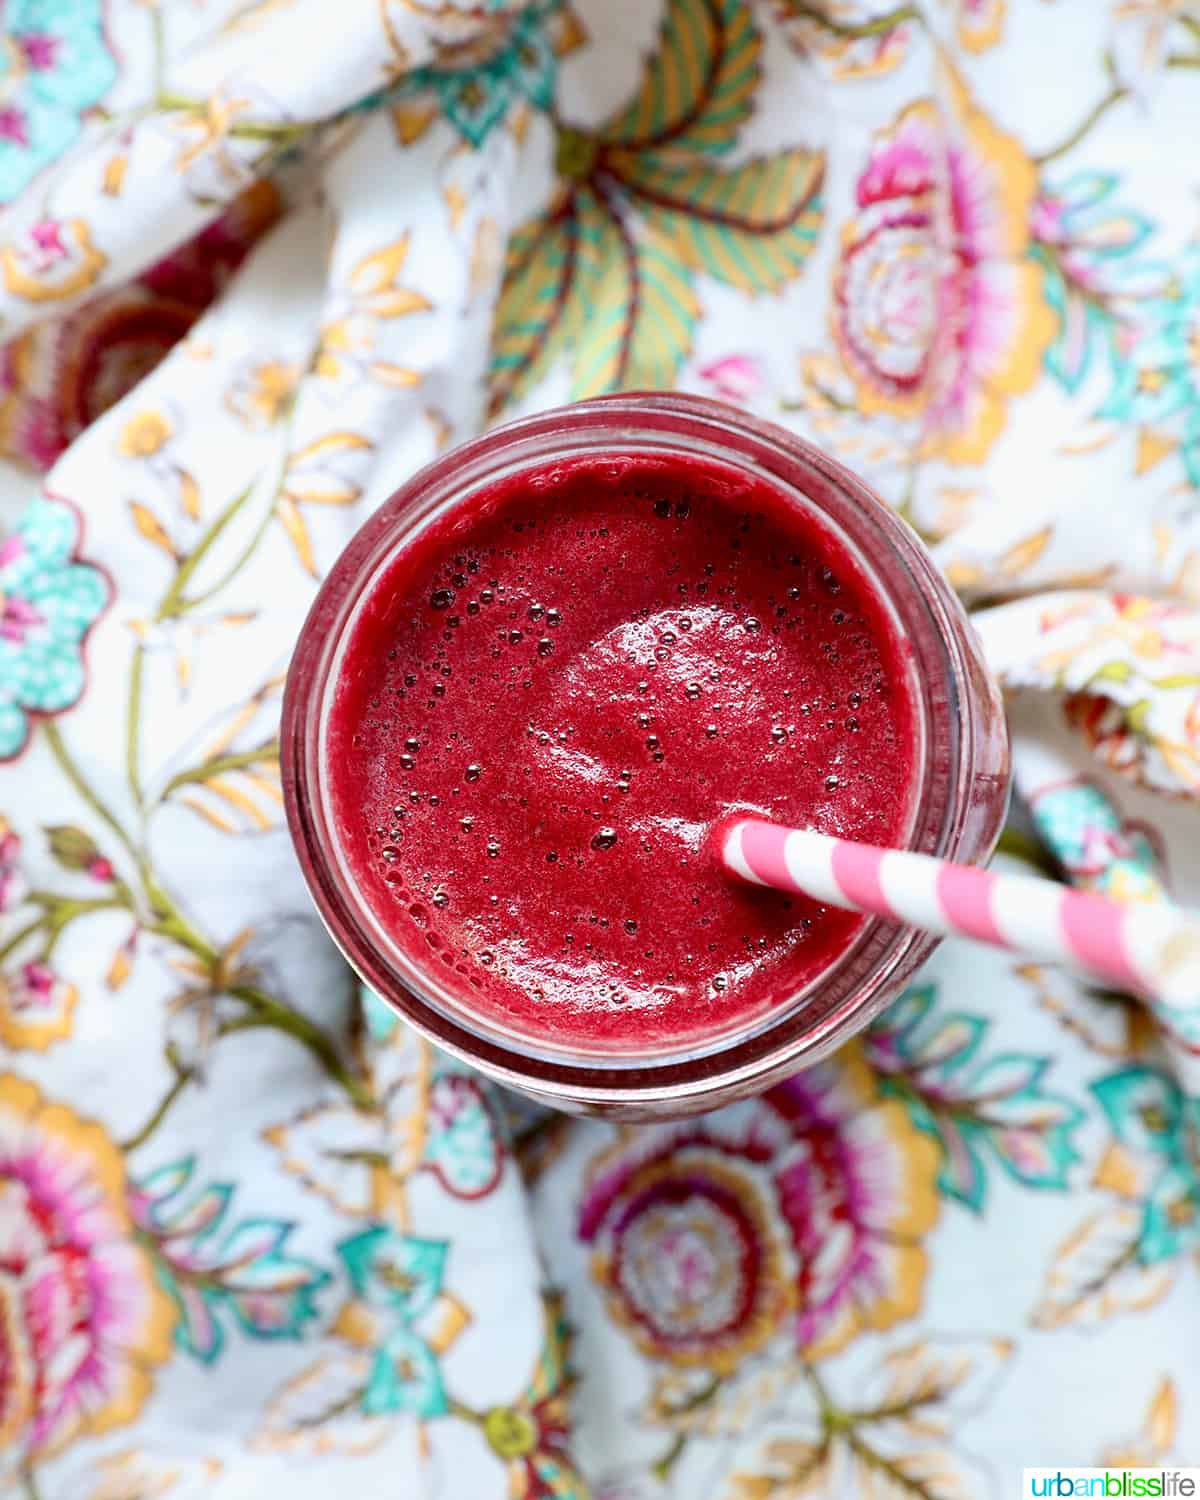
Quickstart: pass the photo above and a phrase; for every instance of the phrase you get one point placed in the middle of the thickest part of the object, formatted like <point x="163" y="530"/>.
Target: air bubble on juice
<point x="719" y="982"/>
<point x="652" y="742"/>
<point x="553" y="617"/>
<point x="407" y="762"/>
<point x="439" y="899"/>
<point x="536" y="611"/>
<point x="493" y="847"/>
<point x="752" y="625"/>
<point x="643" y="686"/>
<point x="710" y="731"/>
<point x="414" y="796"/>
<point x="515" y="637"/>
<point x="854" y="700"/>
<point x="643" y="721"/>
<point x="604" y="838"/>
<point x="441" y="598"/>
<point x="473" y="772"/>
<point x="545" y="646"/>
<point x="631" y="925"/>
<point x="852" y="724"/>
<point x="419" y="915"/>
<point x="433" y="940"/>
<point x="832" y="783"/>
<point x="692" y="691"/>
<point x="389" y="853"/>
<point x="668" y="637"/>
<point x="779" y="735"/>
<point x="467" y="824"/>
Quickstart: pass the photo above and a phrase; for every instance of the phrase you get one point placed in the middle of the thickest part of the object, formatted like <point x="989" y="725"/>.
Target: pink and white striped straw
<point x="1150" y="947"/>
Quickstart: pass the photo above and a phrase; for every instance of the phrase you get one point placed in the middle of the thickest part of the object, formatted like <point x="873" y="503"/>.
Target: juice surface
<point x="551" y="697"/>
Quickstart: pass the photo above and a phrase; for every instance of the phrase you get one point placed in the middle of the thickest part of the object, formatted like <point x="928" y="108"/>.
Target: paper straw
<point x="1150" y="947"/>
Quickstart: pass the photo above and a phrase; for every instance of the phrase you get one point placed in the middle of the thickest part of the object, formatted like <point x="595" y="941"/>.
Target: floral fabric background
<point x="259" y="260"/>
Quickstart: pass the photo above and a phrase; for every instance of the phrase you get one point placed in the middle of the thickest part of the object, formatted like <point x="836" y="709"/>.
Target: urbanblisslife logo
<point x="1113" y="1484"/>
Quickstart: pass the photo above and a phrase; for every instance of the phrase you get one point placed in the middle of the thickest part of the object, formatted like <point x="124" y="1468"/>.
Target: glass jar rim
<point x="880" y="955"/>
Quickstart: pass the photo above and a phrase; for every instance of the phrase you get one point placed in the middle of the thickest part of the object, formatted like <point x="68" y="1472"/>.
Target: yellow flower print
<point x="134" y="1475"/>
<point x="327" y="471"/>
<point x="262" y="393"/>
<point x="52" y="260"/>
<point x="1155" y="1443"/>
<point x="980" y="23"/>
<point x="145" y="434"/>
<point x="221" y="138"/>
<point x="373" y="295"/>
<point x="146" y="440"/>
<point x="82" y="1317"/>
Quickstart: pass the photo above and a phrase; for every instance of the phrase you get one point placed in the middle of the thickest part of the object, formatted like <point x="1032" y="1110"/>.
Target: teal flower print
<point x="54" y="65"/>
<point x="48" y="603"/>
<point x="405" y="1378"/>
<point x="976" y="1107"/>
<point x="465" y="1146"/>
<point x="402" y="1314"/>
<point x="489" y="78"/>
<point x="395" y="1270"/>
<point x="1160" y="381"/>
<point x="1157" y="1133"/>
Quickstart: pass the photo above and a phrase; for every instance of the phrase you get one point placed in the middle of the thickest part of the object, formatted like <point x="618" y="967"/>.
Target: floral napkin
<point x="260" y="260"/>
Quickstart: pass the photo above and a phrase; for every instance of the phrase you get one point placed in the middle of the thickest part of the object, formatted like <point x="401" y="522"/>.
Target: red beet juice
<point x="555" y="691"/>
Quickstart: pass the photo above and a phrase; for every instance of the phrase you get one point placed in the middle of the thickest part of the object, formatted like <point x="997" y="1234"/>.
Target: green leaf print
<point x="606" y="274"/>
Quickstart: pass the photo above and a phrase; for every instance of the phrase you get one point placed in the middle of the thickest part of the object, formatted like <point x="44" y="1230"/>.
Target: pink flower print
<point x="706" y="1240"/>
<point x="12" y="879"/>
<point x="83" y="1317"/>
<point x="40" y="49"/>
<point x="32" y="988"/>
<point x="46" y="237"/>
<point x="13" y="126"/>
<point x="937" y="311"/>
<point x="17" y="618"/>
<point x="735" y="377"/>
